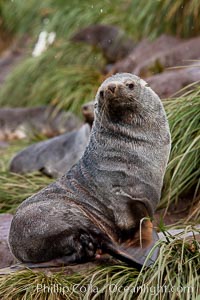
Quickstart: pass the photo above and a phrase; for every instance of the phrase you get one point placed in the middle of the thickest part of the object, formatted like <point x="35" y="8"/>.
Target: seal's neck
<point x="107" y="134"/>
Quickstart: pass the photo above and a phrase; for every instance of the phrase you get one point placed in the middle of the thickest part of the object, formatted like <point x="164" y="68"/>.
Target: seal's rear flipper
<point x="136" y="256"/>
<point x="123" y="255"/>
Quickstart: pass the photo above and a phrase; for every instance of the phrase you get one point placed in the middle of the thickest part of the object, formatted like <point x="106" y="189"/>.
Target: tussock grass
<point x="5" y="35"/>
<point x="54" y="78"/>
<point x="15" y="188"/>
<point x="175" y="275"/>
<point x="179" y="17"/>
<point x="64" y="16"/>
<point x="138" y="17"/>
<point x="30" y="285"/>
<point x="183" y="173"/>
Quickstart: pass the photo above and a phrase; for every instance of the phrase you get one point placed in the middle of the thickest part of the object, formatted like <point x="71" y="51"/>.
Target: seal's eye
<point x="101" y="94"/>
<point x="131" y="86"/>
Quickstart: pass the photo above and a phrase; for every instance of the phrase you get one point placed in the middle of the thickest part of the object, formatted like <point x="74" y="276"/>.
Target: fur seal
<point x="88" y="112"/>
<point x="53" y="157"/>
<point x="98" y="206"/>
<point x="111" y="40"/>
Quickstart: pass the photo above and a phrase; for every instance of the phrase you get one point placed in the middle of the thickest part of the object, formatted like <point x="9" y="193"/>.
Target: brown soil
<point x="175" y="214"/>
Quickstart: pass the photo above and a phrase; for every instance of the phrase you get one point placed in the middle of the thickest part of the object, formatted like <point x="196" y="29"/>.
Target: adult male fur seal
<point x="98" y="205"/>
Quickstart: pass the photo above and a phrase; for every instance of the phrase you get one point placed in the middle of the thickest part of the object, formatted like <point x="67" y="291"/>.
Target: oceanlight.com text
<point x="113" y="288"/>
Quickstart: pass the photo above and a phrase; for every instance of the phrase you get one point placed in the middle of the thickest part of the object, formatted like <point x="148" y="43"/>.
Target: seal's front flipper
<point x="77" y="249"/>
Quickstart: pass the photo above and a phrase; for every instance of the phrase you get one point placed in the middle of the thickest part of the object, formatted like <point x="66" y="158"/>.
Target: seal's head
<point x="124" y="95"/>
<point x="88" y="112"/>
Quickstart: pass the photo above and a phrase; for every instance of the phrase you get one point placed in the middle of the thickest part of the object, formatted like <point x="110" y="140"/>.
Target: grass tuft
<point x="54" y="78"/>
<point x="179" y="17"/>
<point x="38" y="285"/>
<point x="63" y="17"/>
<point x="14" y="188"/>
<point x="182" y="177"/>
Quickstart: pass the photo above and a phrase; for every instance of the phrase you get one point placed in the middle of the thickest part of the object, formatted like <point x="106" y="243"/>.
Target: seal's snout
<point x="111" y="88"/>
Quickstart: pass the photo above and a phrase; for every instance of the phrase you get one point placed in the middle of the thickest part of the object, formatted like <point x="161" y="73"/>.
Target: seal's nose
<point x="112" y="87"/>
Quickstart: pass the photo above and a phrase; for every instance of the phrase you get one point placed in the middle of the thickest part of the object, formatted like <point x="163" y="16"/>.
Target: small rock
<point x="144" y="51"/>
<point x="179" y="55"/>
<point x="170" y="82"/>
<point x="182" y="233"/>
